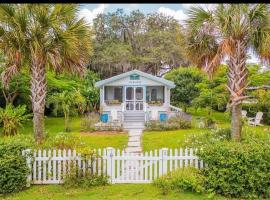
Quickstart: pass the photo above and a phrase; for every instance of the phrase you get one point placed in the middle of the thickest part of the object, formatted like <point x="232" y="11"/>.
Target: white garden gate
<point x="50" y="166"/>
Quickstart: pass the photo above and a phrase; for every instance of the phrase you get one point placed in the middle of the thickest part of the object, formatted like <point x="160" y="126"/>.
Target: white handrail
<point x="175" y="108"/>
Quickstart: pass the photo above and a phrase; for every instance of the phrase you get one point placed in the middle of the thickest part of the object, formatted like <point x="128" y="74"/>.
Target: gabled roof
<point x="168" y="83"/>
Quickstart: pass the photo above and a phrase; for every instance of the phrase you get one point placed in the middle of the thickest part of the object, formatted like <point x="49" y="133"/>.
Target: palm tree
<point x="42" y="37"/>
<point x="228" y="31"/>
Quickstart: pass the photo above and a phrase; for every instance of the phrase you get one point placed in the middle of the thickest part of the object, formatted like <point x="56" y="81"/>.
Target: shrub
<point x="77" y="178"/>
<point x="13" y="167"/>
<point x="12" y="118"/>
<point x="185" y="179"/>
<point x="89" y="121"/>
<point x="173" y="123"/>
<point x="239" y="170"/>
<point x="64" y="140"/>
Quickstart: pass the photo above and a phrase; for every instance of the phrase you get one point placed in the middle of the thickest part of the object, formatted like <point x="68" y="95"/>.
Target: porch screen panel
<point x="118" y="92"/>
<point x="113" y="93"/>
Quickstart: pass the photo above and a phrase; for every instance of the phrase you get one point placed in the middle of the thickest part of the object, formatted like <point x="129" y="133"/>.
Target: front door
<point x="134" y="98"/>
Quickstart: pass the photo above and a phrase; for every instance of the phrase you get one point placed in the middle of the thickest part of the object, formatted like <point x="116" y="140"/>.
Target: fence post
<point x="164" y="160"/>
<point x="26" y="153"/>
<point x="110" y="164"/>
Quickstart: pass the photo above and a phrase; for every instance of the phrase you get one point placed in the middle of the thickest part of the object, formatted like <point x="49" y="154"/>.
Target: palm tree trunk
<point x="236" y="122"/>
<point x="38" y="95"/>
<point x="237" y="83"/>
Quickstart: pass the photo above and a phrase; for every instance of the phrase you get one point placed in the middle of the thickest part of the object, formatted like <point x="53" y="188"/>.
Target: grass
<point x="54" y="125"/>
<point x="111" y="192"/>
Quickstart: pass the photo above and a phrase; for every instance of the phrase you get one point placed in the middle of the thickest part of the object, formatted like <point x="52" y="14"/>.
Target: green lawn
<point x="111" y="192"/>
<point x="54" y="125"/>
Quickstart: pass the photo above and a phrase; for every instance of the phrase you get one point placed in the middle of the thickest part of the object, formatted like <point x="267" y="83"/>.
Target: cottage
<point x="135" y="96"/>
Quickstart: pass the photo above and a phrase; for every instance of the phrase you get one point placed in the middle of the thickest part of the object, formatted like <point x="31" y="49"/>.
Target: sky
<point x="177" y="11"/>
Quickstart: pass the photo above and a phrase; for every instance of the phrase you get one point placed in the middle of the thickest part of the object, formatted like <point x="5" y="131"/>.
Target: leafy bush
<point x="239" y="170"/>
<point x="77" y="178"/>
<point x="64" y="140"/>
<point x="185" y="79"/>
<point x="185" y="179"/>
<point x="12" y="118"/>
<point x="89" y="121"/>
<point x="13" y="167"/>
<point x="172" y="123"/>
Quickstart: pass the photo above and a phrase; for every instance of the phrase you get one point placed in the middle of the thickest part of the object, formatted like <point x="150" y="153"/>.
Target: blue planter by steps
<point x="104" y="118"/>
<point x="163" y="117"/>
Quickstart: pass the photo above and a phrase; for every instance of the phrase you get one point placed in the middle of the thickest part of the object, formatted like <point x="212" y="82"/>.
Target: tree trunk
<point x="237" y="83"/>
<point x="38" y="95"/>
<point x="236" y="123"/>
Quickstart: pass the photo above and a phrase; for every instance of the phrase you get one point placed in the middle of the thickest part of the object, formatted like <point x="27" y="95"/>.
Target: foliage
<point x="77" y="178"/>
<point x="67" y="102"/>
<point x="172" y="123"/>
<point x="185" y="79"/>
<point x="238" y="169"/>
<point x="12" y="118"/>
<point x="213" y="93"/>
<point x="228" y="31"/>
<point x="40" y="37"/>
<point x="89" y="121"/>
<point x="206" y="122"/>
<point x="208" y="137"/>
<point x="263" y="105"/>
<point x="58" y="83"/>
<point x="17" y="91"/>
<point x="185" y="179"/>
<point x="127" y="41"/>
<point x="13" y="167"/>
<point x="258" y="77"/>
<point x="64" y="140"/>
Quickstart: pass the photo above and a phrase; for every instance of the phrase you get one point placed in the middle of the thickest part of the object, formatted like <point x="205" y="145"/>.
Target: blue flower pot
<point x="163" y="117"/>
<point x="104" y="118"/>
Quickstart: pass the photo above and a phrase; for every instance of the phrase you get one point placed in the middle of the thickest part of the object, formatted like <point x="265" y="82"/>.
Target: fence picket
<point x="59" y="177"/>
<point x="35" y="166"/>
<point x="54" y="165"/>
<point x="155" y="165"/>
<point x="44" y="166"/>
<point x="186" y="160"/>
<point x="181" y="158"/>
<point x="49" y="165"/>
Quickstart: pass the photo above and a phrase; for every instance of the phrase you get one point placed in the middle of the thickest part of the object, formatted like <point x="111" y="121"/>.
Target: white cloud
<point x="176" y="14"/>
<point x="89" y="15"/>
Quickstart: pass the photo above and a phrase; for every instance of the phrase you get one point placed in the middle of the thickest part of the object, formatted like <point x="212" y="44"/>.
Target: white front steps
<point x="134" y="116"/>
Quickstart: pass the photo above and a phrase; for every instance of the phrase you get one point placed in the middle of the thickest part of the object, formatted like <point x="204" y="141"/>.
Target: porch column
<point x="101" y="95"/>
<point x="166" y="96"/>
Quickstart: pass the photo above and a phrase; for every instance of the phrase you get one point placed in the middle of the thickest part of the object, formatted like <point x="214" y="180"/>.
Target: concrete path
<point x="134" y="138"/>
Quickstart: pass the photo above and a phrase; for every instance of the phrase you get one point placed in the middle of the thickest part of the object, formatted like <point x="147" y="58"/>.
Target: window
<point x="134" y="77"/>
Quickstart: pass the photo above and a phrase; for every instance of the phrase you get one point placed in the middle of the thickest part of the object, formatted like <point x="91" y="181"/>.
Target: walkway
<point x="134" y="137"/>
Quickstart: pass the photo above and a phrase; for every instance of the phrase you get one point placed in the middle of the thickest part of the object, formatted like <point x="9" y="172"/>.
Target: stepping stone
<point x="133" y="149"/>
<point x="134" y="138"/>
<point x="134" y="144"/>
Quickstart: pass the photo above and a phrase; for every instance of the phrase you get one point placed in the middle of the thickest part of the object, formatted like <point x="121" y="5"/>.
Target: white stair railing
<point x="175" y="109"/>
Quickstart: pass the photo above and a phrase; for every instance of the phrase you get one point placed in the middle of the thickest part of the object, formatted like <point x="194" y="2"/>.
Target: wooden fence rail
<point x="51" y="166"/>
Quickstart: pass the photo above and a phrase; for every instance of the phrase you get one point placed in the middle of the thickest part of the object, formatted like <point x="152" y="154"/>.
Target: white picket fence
<point x="50" y="166"/>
